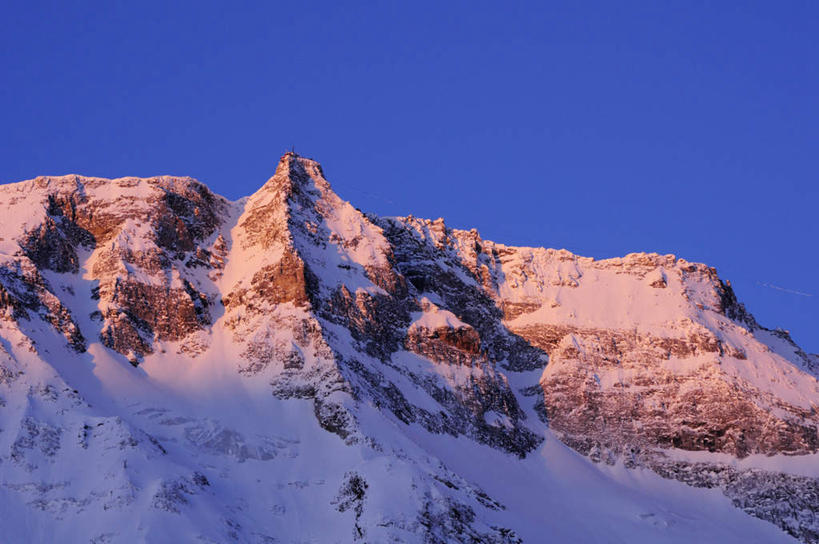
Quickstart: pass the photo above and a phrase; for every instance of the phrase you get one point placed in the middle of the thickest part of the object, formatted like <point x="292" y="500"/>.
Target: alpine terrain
<point x="178" y="367"/>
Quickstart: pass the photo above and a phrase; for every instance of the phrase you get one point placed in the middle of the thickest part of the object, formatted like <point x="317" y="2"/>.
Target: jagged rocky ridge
<point x="159" y="284"/>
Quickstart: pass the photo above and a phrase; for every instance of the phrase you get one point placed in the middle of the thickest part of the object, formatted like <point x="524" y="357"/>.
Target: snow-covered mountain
<point x="177" y="367"/>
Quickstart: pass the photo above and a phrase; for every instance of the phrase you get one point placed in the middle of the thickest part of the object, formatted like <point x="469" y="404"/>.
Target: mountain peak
<point x="295" y="173"/>
<point x="292" y="330"/>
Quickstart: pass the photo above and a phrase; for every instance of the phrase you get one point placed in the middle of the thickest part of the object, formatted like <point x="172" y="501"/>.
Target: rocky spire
<point x="294" y="174"/>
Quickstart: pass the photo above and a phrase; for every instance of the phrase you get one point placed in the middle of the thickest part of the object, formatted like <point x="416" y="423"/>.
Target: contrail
<point x="791" y="291"/>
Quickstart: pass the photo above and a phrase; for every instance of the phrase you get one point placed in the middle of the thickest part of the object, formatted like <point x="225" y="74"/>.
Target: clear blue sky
<point x="605" y="128"/>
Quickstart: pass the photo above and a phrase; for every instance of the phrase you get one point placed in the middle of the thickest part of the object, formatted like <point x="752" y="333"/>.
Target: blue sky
<point x="678" y="127"/>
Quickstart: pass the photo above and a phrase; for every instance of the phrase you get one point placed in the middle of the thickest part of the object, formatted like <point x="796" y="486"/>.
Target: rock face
<point x="146" y="239"/>
<point x="397" y="333"/>
<point x="649" y="354"/>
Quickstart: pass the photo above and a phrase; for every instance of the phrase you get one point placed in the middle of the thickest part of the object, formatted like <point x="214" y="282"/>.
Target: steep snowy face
<point x="648" y="355"/>
<point x="646" y="351"/>
<point x="292" y="349"/>
<point x="269" y="293"/>
<point x="318" y="300"/>
<point x="138" y="242"/>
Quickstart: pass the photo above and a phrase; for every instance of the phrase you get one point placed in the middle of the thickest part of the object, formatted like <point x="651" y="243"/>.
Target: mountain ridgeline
<point x="285" y="368"/>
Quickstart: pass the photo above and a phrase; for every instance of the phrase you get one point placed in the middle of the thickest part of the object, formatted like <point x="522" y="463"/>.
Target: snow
<point x="557" y="495"/>
<point x="135" y="438"/>
<point x="496" y="419"/>
<point x="602" y="298"/>
<point x="799" y="465"/>
<point x="434" y="317"/>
